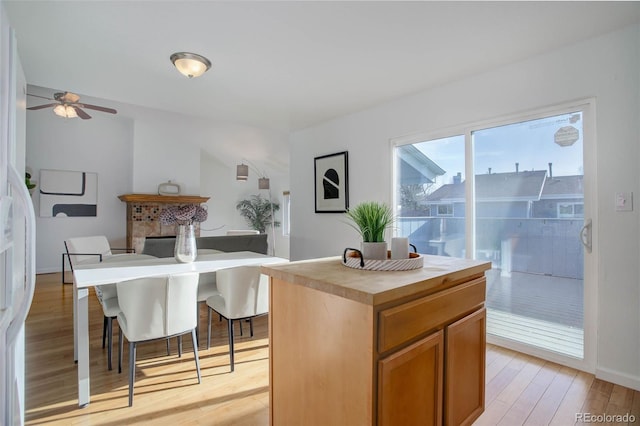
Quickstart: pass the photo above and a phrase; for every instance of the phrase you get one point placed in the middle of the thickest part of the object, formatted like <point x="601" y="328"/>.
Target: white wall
<point x="607" y="68"/>
<point x="132" y="152"/>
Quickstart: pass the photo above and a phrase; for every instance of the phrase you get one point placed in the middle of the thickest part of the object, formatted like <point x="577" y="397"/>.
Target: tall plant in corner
<point x="258" y="212"/>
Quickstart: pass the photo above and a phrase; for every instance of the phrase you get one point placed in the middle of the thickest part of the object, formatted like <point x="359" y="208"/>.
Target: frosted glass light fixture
<point x="190" y="64"/>
<point x="66" y="111"/>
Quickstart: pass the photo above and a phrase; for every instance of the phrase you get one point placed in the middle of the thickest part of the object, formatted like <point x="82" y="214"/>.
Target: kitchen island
<point x="355" y="347"/>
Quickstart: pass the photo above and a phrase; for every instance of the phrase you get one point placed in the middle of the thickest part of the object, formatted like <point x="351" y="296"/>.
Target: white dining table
<point x="91" y="275"/>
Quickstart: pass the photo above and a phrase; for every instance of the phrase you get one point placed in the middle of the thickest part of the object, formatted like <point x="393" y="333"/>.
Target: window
<point x="445" y="210"/>
<point x="286" y="213"/>
<point x="429" y="181"/>
<point x="570" y="209"/>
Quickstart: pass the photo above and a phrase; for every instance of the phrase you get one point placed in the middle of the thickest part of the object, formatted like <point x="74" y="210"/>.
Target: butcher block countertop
<point x="376" y="288"/>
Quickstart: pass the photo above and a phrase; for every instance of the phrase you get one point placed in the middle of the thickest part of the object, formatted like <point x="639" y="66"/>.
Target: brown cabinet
<point x="410" y="384"/>
<point x="350" y="347"/>
<point x="464" y="364"/>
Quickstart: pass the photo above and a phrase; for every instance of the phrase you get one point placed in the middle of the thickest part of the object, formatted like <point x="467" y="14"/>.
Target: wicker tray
<point x="352" y="258"/>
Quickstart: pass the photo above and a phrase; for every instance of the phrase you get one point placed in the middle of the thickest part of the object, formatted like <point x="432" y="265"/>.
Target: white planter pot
<point x="376" y="251"/>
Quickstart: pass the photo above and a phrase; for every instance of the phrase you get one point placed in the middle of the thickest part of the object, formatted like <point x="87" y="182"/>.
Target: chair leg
<point x="168" y="348"/>
<point x="230" y="325"/>
<point x="209" y="327"/>
<point x="104" y="329"/>
<point x="109" y="341"/>
<point x="251" y="326"/>
<point x="179" y="346"/>
<point x="132" y="370"/>
<point x="120" y="349"/>
<point x="194" y="338"/>
<point x="197" y="321"/>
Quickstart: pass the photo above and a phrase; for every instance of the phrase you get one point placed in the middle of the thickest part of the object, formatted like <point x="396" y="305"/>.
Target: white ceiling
<point x="287" y="65"/>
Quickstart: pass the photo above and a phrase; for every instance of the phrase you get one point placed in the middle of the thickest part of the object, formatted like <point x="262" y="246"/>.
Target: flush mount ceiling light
<point x="190" y="64"/>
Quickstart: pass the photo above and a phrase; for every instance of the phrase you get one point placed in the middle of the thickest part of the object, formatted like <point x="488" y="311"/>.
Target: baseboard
<point x="622" y="379"/>
<point x="47" y="270"/>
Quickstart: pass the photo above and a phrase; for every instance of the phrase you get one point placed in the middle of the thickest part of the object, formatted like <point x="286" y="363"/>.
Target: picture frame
<point x="331" y="178"/>
<point x="67" y="193"/>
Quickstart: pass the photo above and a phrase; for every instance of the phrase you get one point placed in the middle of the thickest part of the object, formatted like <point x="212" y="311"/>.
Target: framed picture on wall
<point x="332" y="183"/>
<point x="65" y="193"/>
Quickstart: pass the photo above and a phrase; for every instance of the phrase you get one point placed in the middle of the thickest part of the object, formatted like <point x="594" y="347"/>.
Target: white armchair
<point x="96" y="249"/>
<point x="243" y="293"/>
<point x="156" y="308"/>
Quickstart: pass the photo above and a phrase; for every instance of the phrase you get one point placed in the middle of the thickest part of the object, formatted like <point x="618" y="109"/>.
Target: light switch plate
<point x="624" y="201"/>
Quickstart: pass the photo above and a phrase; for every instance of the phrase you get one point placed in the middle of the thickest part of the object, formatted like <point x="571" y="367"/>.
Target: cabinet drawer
<point x="407" y="321"/>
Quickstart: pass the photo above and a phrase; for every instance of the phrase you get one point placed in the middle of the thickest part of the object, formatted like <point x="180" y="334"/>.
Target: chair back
<point x="245" y="291"/>
<point x="89" y="247"/>
<point x="156" y="307"/>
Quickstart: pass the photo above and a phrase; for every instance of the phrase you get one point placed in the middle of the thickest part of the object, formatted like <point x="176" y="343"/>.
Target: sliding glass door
<point x="512" y="193"/>
<point x="529" y="210"/>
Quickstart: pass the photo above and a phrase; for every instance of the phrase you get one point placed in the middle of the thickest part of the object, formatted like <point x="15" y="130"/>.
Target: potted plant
<point x="371" y="219"/>
<point x="30" y="185"/>
<point x="258" y="212"/>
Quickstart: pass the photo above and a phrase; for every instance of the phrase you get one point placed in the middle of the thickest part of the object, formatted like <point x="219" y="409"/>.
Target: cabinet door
<point x="464" y="366"/>
<point x="410" y="384"/>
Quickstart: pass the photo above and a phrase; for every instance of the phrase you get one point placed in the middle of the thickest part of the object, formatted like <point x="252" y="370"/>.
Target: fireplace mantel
<point x="143" y="211"/>
<point x="163" y="199"/>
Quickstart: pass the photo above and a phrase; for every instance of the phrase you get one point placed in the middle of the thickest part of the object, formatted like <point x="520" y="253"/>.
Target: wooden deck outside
<point x="520" y="389"/>
<point x="538" y="310"/>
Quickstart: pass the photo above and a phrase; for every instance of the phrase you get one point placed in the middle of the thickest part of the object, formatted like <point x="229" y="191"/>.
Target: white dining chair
<point x="207" y="287"/>
<point x="156" y="308"/>
<point x="243" y="293"/>
<point x="96" y="249"/>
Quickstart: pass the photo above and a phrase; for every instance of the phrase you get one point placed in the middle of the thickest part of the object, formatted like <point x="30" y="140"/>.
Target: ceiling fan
<point x="66" y="105"/>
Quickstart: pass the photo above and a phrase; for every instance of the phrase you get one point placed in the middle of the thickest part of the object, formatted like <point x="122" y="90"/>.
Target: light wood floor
<point x="520" y="389"/>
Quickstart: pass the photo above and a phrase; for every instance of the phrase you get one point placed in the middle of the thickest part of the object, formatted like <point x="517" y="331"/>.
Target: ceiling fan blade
<point x="33" y="108"/>
<point x="98" y="108"/>
<point x="81" y="113"/>
<point x="43" y="97"/>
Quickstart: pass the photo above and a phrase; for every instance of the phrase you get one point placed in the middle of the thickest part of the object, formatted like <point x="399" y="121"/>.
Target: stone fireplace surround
<point x="143" y="211"/>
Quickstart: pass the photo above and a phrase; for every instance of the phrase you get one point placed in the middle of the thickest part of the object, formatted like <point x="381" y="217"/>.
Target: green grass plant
<point x="371" y="219"/>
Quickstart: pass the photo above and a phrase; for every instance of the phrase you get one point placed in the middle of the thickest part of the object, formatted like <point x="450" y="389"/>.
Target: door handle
<point x="585" y="235"/>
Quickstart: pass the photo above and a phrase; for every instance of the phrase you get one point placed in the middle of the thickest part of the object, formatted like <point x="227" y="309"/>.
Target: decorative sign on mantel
<point x="143" y="211"/>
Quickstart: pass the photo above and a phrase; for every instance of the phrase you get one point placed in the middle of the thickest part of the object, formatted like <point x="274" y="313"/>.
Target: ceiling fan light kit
<point x="66" y="105"/>
<point x="190" y="64"/>
<point x="65" y="111"/>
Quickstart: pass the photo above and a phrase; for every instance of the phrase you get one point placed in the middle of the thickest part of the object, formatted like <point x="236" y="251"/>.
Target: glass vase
<point x="185" y="249"/>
